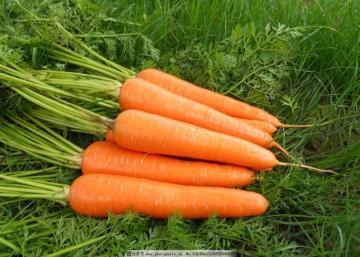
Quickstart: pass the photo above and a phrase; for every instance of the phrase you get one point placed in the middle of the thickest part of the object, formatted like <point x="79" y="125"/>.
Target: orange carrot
<point x="109" y="135"/>
<point x="107" y="157"/>
<point x="110" y="138"/>
<point x="145" y="132"/>
<point x="142" y="95"/>
<point x="215" y="100"/>
<point x="264" y="126"/>
<point x="100" y="194"/>
<point x="151" y="133"/>
<point x="219" y="102"/>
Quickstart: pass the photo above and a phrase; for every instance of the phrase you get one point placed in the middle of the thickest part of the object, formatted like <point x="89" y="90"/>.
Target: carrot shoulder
<point x="100" y="194"/>
<point x="107" y="157"/>
<point x="220" y="102"/>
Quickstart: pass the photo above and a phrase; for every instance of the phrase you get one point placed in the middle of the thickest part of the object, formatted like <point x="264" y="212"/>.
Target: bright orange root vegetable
<point x="219" y="102"/>
<point x="151" y="133"/>
<point x="146" y="132"/>
<point x="107" y="157"/>
<point x="215" y="100"/>
<point x="100" y="194"/>
<point x="142" y="95"/>
<point x="110" y="138"/>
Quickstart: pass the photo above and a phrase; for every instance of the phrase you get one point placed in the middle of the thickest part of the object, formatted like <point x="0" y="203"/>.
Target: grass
<point x="316" y="79"/>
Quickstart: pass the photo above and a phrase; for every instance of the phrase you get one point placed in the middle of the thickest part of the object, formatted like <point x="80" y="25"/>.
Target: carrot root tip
<point x="307" y="167"/>
<point x="296" y="125"/>
<point x="283" y="150"/>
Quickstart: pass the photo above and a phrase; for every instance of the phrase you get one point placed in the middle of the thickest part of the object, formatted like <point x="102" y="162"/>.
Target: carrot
<point x="109" y="136"/>
<point x="100" y="194"/>
<point x="217" y="101"/>
<point x="107" y="157"/>
<point x="145" y="132"/>
<point x="220" y="102"/>
<point x="264" y="126"/>
<point x="142" y="95"/>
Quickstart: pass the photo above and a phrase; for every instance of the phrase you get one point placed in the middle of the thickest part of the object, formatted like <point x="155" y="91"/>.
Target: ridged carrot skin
<point x="97" y="195"/>
<point x="264" y="126"/>
<point x="142" y="95"/>
<point x="107" y="157"/>
<point x="219" y="102"/>
<point x="151" y="133"/>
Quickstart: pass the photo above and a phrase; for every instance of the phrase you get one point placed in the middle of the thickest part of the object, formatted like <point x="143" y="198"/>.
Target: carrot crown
<point x="40" y="141"/>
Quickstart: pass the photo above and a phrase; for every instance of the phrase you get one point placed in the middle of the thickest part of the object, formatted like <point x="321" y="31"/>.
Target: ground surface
<point x="297" y="59"/>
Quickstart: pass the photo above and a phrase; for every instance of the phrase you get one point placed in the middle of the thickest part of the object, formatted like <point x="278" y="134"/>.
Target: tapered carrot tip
<point x="262" y="205"/>
<point x="253" y="178"/>
<point x="283" y="150"/>
<point x="281" y="125"/>
<point x="307" y="167"/>
<point x="296" y="125"/>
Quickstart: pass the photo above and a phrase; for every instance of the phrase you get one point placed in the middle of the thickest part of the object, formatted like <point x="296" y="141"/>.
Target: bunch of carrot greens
<point x="174" y="147"/>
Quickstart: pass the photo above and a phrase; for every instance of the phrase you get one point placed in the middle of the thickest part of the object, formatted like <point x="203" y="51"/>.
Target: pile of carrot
<point x="174" y="148"/>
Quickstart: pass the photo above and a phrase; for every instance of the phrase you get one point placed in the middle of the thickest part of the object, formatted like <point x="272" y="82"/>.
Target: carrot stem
<point x="92" y="52"/>
<point x="56" y="137"/>
<point x="72" y="75"/>
<point x="23" y="188"/>
<point x="9" y="244"/>
<point x="86" y="63"/>
<point x="40" y="141"/>
<point x="306" y="167"/>
<point x="75" y="247"/>
<point x="103" y="66"/>
<point x="88" y="127"/>
<point x="93" y="84"/>
<point x="296" y="126"/>
<point x="77" y="115"/>
<point x="25" y="78"/>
